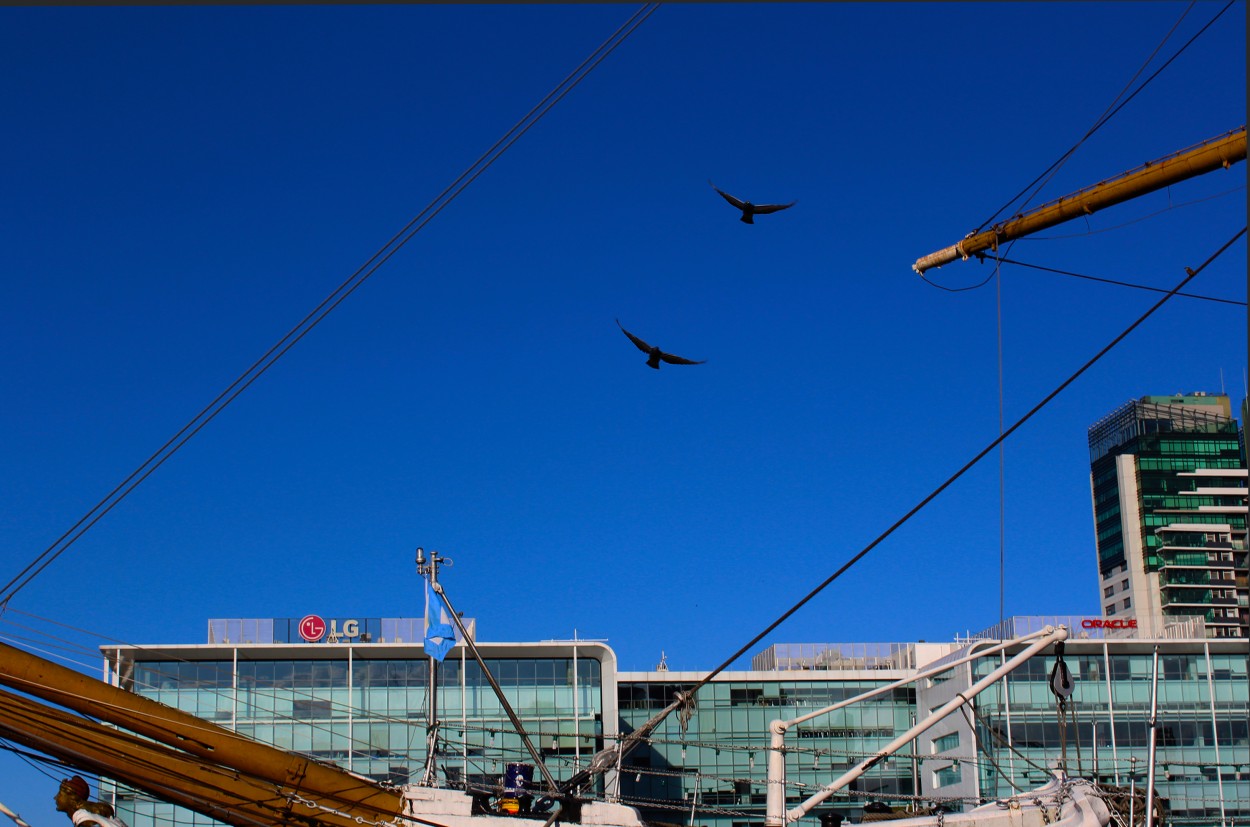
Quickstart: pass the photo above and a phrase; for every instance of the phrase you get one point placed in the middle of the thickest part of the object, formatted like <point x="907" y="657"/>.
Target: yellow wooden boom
<point x="1215" y="153"/>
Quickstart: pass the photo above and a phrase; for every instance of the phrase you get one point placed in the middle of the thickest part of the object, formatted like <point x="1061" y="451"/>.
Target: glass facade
<point x="719" y="766"/>
<point x="1165" y="440"/>
<point x="1203" y="742"/>
<point x="364" y="708"/>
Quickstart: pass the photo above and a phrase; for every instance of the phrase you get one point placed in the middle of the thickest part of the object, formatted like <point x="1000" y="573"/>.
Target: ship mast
<point x="1214" y="153"/>
<point x="195" y="762"/>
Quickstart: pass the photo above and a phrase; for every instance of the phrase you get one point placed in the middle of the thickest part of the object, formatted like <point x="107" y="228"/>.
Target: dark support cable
<point x="1106" y="116"/>
<point x="209" y="412"/>
<point x="552" y="786"/>
<point x="1190" y="274"/>
<point x="1002" y="260"/>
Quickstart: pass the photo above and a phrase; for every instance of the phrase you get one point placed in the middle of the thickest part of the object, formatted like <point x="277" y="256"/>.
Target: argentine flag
<point x="439" y="636"/>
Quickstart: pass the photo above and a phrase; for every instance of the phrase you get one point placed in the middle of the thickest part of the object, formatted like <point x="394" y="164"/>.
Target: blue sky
<point x="184" y="184"/>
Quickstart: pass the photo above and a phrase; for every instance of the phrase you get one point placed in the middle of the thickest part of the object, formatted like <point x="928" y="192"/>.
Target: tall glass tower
<point x="1169" y="488"/>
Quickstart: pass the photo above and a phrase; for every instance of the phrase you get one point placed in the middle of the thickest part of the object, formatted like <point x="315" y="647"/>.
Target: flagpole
<point x="430" y="569"/>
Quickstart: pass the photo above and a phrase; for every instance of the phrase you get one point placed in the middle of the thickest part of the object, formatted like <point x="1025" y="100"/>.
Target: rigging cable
<point x="1168" y="208"/>
<point x="34" y="760"/>
<point x="1190" y="274"/>
<point x="997" y="735"/>
<point x="976" y="286"/>
<point x="989" y="755"/>
<point x="1111" y="112"/>
<point x="41" y="562"/>
<point x="1109" y="281"/>
<point x="1002" y="456"/>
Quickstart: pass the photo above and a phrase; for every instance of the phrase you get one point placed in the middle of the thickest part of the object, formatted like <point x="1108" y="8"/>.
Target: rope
<point x="1107" y="281"/>
<point x="1076" y="729"/>
<point x="998" y="737"/>
<point x="1111" y="111"/>
<point x="966" y="467"/>
<point x="1002" y="458"/>
<point x="314" y="317"/>
<point x="1133" y="221"/>
<point x="1060" y="711"/>
<point x="1011" y="782"/>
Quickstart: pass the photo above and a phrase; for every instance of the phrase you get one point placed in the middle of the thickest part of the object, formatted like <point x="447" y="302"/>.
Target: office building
<point x="1168" y="477"/>
<point x="337" y="691"/>
<point x="1202" y="741"/>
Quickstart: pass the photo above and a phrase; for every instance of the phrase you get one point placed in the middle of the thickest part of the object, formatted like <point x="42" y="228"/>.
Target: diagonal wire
<point x="1190" y="274"/>
<point x="279" y="349"/>
<point x="1111" y="112"/>
<point x="1132" y="221"/>
<point x="1110" y="281"/>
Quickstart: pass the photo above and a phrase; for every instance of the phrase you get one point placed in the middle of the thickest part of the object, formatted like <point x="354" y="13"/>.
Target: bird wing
<point x="728" y="197"/>
<point x="678" y="360"/>
<point x="767" y="208"/>
<point x="638" y="343"/>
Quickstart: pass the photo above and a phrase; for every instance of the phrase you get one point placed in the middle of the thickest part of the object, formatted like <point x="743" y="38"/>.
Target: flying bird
<point x="750" y="210"/>
<point x="654" y="354"/>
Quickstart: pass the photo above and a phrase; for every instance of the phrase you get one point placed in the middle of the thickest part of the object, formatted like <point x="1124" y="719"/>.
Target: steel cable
<point x="1111" y="112"/>
<point x="314" y="317"/>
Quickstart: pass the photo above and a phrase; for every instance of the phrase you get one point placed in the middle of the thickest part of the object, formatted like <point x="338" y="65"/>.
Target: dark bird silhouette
<point x="750" y="210"/>
<point x="654" y="354"/>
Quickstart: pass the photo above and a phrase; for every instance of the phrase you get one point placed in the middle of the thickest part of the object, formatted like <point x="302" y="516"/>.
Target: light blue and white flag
<point x="439" y="635"/>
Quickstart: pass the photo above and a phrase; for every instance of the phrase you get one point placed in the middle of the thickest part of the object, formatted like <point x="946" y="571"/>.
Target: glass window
<point x="947" y="776"/>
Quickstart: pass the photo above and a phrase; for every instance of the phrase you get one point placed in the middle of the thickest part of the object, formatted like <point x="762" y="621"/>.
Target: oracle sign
<point x="1100" y="623"/>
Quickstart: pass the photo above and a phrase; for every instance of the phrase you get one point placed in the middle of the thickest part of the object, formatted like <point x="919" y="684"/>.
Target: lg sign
<point x="313" y="628"/>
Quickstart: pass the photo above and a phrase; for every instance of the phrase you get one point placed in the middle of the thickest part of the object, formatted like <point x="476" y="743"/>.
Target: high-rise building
<point x="1168" y="477"/>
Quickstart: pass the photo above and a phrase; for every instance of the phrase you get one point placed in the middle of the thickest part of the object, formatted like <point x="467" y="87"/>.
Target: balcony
<point x="1192" y="597"/>
<point x="1213" y="587"/>
<point x="1171" y="558"/>
<point x="1209" y="618"/>
<point x="1182" y="539"/>
<point x="1191" y="578"/>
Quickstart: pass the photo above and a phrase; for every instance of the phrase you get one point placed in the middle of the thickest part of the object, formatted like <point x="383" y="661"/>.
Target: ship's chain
<point x="316" y="805"/>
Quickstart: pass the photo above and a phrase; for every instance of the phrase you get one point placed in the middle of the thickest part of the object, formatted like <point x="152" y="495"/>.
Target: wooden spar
<point x="1212" y="154"/>
<point x="155" y="769"/>
<point x="352" y="794"/>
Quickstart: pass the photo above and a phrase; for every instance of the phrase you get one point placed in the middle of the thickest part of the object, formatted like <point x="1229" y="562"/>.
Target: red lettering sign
<point x="312" y="628"/>
<point x="1099" y="623"/>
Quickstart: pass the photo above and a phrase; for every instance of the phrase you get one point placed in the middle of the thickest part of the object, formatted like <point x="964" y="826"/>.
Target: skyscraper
<point x="1169" y="489"/>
